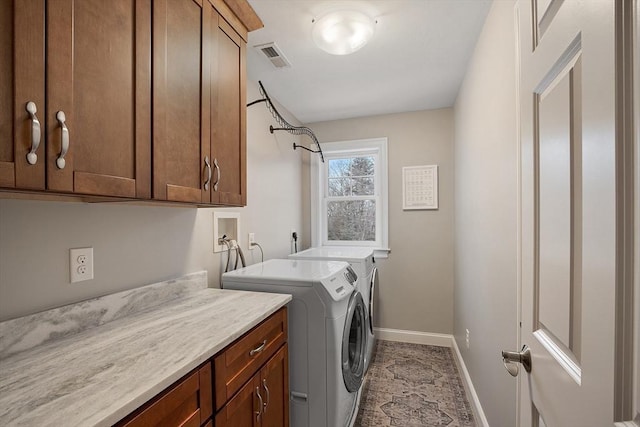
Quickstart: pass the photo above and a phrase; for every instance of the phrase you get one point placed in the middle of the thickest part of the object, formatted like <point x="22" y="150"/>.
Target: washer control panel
<point x="339" y="286"/>
<point x="351" y="275"/>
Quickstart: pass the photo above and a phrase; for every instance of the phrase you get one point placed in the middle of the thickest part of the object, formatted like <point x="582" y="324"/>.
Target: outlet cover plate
<point x="80" y="264"/>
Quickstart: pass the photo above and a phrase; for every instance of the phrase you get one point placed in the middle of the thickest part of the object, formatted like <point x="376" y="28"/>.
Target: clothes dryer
<point x="363" y="263"/>
<point x="327" y="335"/>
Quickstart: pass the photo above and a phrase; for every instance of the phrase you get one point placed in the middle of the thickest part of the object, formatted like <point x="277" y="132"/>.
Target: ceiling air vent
<point x="273" y="53"/>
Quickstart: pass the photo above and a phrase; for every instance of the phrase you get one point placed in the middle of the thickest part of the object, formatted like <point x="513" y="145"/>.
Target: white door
<point x="567" y="97"/>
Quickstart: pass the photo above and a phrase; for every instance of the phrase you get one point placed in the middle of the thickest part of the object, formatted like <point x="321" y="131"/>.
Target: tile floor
<point x="413" y="385"/>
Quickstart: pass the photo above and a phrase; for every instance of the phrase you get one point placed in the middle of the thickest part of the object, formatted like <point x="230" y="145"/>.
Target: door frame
<point x="627" y="387"/>
<point x="635" y="47"/>
<point x="636" y="104"/>
<point x="519" y="378"/>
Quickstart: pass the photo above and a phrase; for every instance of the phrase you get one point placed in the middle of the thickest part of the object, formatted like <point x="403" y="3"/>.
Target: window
<point x="350" y="194"/>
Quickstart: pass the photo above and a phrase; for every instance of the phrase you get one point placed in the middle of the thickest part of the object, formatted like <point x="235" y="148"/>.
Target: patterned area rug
<point x="413" y="385"/>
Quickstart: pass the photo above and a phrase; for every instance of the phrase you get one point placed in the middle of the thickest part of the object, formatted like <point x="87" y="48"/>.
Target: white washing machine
<point x="327" y="335"/>
<point x="362" y="261"/>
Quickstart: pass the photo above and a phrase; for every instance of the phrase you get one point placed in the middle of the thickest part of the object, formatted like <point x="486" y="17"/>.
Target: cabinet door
<point x="21" y="82"/>
<point x="181" y="99"/>
<point x="98" y="97"/>
<point x="244" y="408"/>
<point x="228" y="130"/>
<point x="186" y="403"/>
<point x="274" y="380"/>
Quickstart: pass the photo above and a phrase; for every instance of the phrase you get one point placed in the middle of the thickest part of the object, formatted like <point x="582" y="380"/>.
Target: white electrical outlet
<point x="252" y="239"/>
<point x="467" y="338"/>
<point x="80" y="264"/>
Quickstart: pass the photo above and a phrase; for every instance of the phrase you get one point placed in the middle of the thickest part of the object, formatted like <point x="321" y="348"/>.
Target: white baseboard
<point x="441" y="340"/>
<point x="414" y="337"/>
<point x="481" y="418"/>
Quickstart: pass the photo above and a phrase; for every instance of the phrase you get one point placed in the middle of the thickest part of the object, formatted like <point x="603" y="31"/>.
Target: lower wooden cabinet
<point x="263" y="400"/>
<point x="241" y="410"/>
<point x="187" y="403"/>
<point x="240" y="361"/>
<point x="251" y="378"/>
<point x="274" y="380"/>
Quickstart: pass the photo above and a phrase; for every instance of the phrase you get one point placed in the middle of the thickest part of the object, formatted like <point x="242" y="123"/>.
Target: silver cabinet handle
<point x="32" y="157"/>
<point x="60" y="162"/>
<point x="208" y="165"/>
<point x="264" y="384"/>
<point x="510" y="358"/>
<point x="217" y="167"/>
<point x="258" y="349"/>
<point x="258" y="413"/>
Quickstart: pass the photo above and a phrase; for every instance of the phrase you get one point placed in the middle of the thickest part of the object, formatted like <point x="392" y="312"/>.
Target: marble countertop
<point x="99" y="375"/>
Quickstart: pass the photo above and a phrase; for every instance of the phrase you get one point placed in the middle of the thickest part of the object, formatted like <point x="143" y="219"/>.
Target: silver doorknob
<point x="510" y="358"/>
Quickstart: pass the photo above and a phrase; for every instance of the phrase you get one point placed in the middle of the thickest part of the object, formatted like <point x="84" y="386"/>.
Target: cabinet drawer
<point x="186" y="403"/>
<point x="242" y="359"/>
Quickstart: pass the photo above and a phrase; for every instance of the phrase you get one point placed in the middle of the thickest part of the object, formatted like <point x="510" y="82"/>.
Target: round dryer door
<point x="372" y="290"/>
<point x="354" y="343"/>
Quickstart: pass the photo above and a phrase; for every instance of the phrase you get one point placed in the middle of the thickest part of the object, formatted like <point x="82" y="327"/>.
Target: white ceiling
<point x="415" y="61"/>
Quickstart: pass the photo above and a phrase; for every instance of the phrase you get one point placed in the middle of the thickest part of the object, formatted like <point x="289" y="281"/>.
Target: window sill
<point x="381" y="253"/>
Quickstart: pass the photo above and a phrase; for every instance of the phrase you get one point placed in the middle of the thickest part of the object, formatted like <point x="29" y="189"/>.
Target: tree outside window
<point x="351" y="201"/>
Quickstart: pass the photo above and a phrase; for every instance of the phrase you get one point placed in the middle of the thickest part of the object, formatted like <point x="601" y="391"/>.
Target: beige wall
<point x="136" y="245"/>
<point x="486" y="229"/>
<point x="416" y="281"/>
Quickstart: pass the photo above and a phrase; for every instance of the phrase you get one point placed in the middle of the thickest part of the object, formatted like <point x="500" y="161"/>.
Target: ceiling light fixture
<point x="342" y="32"/>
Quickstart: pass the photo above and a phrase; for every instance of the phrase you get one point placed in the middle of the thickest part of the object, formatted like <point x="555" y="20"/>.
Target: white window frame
<point x="376" y="147"/>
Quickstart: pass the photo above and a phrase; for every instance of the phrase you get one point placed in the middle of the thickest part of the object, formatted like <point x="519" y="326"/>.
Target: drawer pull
<point x="258" y="349"/>
<point x="259" y="412"/>
<point x="60" y="162"/>
<point x="32" y="157"/>
<point x="208" y="165"/>
<point x="264" y="384"/>
<point x="217" y="168"/>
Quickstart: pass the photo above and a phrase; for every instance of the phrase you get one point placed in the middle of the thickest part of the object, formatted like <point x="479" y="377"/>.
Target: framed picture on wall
<point x="420" y="187"/>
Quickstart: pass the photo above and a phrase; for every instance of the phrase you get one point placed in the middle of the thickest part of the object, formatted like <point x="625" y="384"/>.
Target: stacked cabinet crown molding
<point x="128" y="99"/>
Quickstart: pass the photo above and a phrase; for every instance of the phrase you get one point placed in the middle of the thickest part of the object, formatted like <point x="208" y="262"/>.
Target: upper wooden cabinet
<point x="22" y="81"/>
<point x="199" y="100"/>
<point x="102" y="125"/>
<point x="229" y="116"/>
<point x="93" y="133"/>
<point x="181" y="99"/>
<point x="98" y="82"/>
